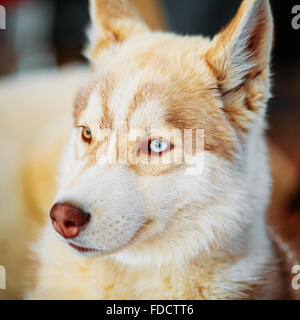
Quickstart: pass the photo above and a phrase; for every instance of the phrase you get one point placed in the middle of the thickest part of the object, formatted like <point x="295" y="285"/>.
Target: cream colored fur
<point x="162" y="233"/>
<point x="34" y="124"/>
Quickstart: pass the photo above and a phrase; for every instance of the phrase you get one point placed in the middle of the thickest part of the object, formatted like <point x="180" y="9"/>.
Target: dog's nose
<point x="68" y="220"/>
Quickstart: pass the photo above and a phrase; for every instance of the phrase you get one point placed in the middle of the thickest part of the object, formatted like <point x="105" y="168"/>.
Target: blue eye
<point x="158" y="146"/>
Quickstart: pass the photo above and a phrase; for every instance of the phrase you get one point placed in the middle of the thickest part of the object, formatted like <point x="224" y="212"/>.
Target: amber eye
<point x="86" y="134"/>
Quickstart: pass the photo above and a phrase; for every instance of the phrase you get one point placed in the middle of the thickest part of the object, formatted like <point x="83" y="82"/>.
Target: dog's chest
<point x="169" y="282"/>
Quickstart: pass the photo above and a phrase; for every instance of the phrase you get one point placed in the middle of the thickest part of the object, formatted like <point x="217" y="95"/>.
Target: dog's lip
<point x="81" y="249"/>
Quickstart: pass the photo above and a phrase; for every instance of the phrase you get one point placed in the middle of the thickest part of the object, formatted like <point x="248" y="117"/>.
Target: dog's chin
<point x="84" y="250"/>
<point x="92" y="252"/>
<point x="80" y="246"/>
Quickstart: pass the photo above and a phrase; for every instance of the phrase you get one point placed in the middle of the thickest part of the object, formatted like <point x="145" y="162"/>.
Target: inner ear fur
<point x="113" y="21"/>
<point x="242" y="50"/>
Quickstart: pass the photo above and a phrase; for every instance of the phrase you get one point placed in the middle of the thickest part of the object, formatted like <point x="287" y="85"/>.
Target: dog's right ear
<point x="113" y="21"/>
<point x="242" y="50"/>
<point x="239" y="58"/>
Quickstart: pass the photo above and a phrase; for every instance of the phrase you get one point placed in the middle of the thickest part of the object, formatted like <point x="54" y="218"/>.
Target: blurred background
<point x="43" y="35"/>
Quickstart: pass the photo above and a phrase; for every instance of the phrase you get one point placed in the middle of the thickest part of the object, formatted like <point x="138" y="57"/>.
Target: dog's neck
<point x="218" y="275"/>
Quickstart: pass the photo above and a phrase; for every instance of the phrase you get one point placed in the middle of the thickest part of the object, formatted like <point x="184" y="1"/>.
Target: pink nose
<point x="68" y="220"/>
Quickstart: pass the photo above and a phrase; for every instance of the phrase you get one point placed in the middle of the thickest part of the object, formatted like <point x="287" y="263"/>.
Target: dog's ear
<point x="239" y="57"/>
<point x="242" y="50"/>
<point x="113" y="21"/>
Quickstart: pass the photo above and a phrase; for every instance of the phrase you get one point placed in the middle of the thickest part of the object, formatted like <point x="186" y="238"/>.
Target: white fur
<point x="208" y="216"/>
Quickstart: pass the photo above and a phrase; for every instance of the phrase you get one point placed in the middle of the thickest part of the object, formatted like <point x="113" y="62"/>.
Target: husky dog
<point x="122" y="228"/>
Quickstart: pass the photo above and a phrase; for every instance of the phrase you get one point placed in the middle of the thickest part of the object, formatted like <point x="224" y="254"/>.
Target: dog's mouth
<point x="82" y="249"/>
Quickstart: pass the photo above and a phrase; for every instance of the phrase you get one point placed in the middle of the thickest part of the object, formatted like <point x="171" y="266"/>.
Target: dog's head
<point x="164" y="130"/>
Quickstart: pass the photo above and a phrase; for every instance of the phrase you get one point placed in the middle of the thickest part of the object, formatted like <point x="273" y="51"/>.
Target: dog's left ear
<point x="113" y="21"/>
<point x="240" y="54"/>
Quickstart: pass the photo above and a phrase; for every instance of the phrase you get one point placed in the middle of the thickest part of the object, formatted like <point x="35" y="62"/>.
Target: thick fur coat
<point x="156" y="230"/>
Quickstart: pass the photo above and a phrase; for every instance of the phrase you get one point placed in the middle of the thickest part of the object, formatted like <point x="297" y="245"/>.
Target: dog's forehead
<point x="144" y="73"/>
<point x="155" y="88"/>
<point x="141" y="103"/>
<point x="114" y="100"/>
<point x="146" y="95"/>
